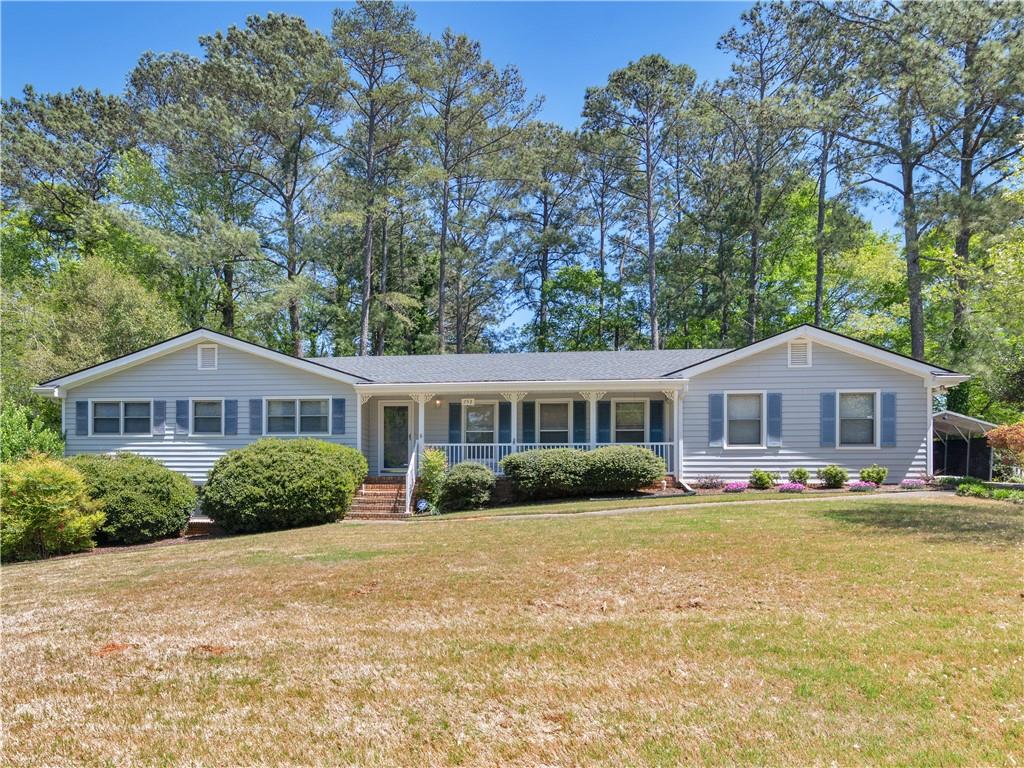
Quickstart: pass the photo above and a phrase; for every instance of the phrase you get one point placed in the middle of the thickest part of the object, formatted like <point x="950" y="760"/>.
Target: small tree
<point x="1008" y="439"/>
<point x="22" y="434"/>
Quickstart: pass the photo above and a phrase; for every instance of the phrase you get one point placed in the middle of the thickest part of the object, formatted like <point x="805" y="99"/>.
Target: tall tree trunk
<point x="602" y="234"/>
<point x="911" y="233"/>
<point x="652" y="243"/>
<point x="380" y="337"/>
<point x="819" y="232"/>
<point x="442" y="276"/>
<point x="292" y="270"/>
<point x="227" y="302"/>
<point x="364" y="313"/>
<point x="723" y="271"/>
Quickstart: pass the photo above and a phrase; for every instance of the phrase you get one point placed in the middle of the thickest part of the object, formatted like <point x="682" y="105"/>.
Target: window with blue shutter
<point x="657" y="418"/>
<point x="888" y="419"/>
<point x="579" y="421"/>
<point x="455" y="422"/>
<point x="181" y="417"/>
<point x="827" y="427"/>
<point x="529" y="422"/>
<point x="604" y="421"/>
<point x="716" y="419"/>
<point x="81" y="418"/>
<point x="774" y="419"/>
<point x="255" y="416"/>
<point x="505" y="422"/>
<point x="338" y="416"/>
<point x="230" y="417"/>
<point x="159" y="416"/>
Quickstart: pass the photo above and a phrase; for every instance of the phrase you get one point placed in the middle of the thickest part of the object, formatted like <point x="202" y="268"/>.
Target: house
<point x="806" y="397"/>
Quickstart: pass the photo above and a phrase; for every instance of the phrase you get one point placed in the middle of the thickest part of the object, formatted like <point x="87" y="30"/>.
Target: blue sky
<point x="560" y="48"/>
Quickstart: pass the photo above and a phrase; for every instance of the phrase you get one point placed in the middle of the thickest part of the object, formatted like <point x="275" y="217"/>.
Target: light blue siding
<point x="174" y="378"/>
<point x="801" y="425"/>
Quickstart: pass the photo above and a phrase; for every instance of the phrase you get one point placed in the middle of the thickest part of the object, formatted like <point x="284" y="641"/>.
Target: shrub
<point x="970" y="488"/>
<point x="799" y="475"/>
<point x="833" y="476"/>
<point x="45" y="509"/>
<point x="142" y="499"/>
<point x="709" y="482"/>
<point x="275" y="483"/>
<point x="792" y="488"/>
<point x="949" y="481"/>
<point x="737" y="487"/>
<point x="874" y="474"/>
<point x="21" y="435"/>
<point x="467" y="486"/>
<point x="1007" y="494"/>
<point x="617" y="468"/>
<point x="433" y="463"/>
<point x="1008" y="439"/>
<point x="913" y="485"/>
<point x="762" y="480"/>
<point x="548" y="473"/>
<point x="862" y="485"/>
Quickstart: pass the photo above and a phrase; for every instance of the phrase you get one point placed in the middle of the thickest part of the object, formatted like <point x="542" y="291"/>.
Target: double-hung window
<point x="298" y="416"/>
<point x="480" y="423"/>
<point x="744" y="419"/>
<point x="630" y="421"/>
<point x="122" y="417"/>
<point x="553" y="423"/>
<point x="857" y="419"/>
<point x="207" y="417"/>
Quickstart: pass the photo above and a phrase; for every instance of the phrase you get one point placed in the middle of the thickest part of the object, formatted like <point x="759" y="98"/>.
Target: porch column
<point x="362" y="400"/>
<point x="929" y="459"/>
<point x="592" y="397"/>
<point x="421" y="399"/>
<point x="672" y="395"/>
<point x="514" y="398"/>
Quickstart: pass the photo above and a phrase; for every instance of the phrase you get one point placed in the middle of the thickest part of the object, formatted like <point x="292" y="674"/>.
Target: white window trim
<point x="192" y="413"/>
<point x="536" y="419"/>
<point x="789" y="353"/>
<point x="764" y="420"/>
<point x="497" y="426"/>
<point x="120" y="425"/>
<point x="199" y="357"/>
<point x="296" y="399"/>
<point x="877" y="419"/>
<point x="647" y="417"/>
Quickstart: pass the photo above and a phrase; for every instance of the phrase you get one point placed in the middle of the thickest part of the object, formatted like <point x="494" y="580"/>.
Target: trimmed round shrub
<point x="143" y="500"/>
<point x="431" y="480"/>
<point x="799" y="475"/>
<point x="45" y="509"/>
<point x="274" y="484"/>
<point x="468" y="485"/>
<point x="762" y="480"/>
<point x="874" y="474"/>
<point x="833" y="476"/>
<point x="548" y="473"/>
<point x="617" y="468"/>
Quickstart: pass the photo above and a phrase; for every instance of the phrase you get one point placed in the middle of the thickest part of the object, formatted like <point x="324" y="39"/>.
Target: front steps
<point x="379" y="498"/>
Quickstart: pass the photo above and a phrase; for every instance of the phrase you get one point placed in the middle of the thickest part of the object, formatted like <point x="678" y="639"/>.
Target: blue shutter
<point x="579" y="421"/>
<point x="81" y="417"/>
<point x="888" y="419"/>
<point x="657" y="416"/>
<point x="716" y="419"/>
<point x="774" y="419"/>
<point x="159" y="416"/>
<point x="255" y="416"/>
<point x="230" y="417"/>
<point x="604" y="421"/>
<point x="181" y="417"/>
<point x="455" y="422"/>
<point x="338" y="415"/>
<point x="529" y="422"/>
<point x="505" y="422"/>
<point x="828" y="420"/>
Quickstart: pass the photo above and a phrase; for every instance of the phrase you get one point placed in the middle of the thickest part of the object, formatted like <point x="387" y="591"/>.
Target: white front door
<point x="395" y="437"/>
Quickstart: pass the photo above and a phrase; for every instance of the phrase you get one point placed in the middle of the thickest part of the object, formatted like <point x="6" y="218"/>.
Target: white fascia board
<point x="463" y="387"/>
<point x="181" y="342"/>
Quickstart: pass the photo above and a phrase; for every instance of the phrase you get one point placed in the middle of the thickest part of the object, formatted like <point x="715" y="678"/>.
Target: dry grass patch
<point x="855" y="632"/>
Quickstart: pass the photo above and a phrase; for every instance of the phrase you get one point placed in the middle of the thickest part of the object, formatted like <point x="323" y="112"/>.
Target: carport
<point x="960" y="447"/>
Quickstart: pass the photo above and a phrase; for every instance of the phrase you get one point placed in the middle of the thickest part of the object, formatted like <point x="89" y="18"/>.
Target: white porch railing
<point x="491" y="454"/>
<point x="410" y="476"/>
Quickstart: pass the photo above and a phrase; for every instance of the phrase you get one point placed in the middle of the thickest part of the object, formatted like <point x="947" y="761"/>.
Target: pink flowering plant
<point x="913" y="485"/>
<point x="737" y="487"/>
<point x="861" y="485"/>
<point x="792" y="488"/>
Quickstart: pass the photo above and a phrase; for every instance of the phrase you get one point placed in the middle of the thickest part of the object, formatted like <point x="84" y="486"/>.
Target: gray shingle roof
<point x="519" y="366"/>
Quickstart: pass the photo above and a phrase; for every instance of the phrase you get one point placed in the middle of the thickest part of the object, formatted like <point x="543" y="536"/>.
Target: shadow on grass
<point x="979" y="523"/>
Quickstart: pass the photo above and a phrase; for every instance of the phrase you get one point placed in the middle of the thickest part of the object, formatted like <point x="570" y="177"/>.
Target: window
<point x="479" y="423"/>
<point x="106" y="418"/>
<point x="743" y="414"/>
<point x="207" y="417"/>
<point x="629" y="421"/>
<point x="298" y="417"/>
<point x="137" y="420"/>
<point x="856" y="418"/>
<point x="207" y="357"/>
<point x="553" y="422"/>
<point x="122" y="418"/>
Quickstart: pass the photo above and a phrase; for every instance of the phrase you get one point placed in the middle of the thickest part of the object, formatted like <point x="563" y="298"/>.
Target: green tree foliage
<point x="22" y="434"/>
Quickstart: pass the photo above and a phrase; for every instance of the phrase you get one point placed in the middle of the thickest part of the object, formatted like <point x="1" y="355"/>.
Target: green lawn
<point x="813" y="633"/>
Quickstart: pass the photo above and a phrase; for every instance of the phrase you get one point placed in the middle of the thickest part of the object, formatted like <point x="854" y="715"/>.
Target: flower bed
<point x="792" y="488"/>
<point x="738" y="487"/>
<point x="862" y="486"/>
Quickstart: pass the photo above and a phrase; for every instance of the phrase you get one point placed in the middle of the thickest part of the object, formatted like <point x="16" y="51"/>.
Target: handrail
<point x="410" y="476"/>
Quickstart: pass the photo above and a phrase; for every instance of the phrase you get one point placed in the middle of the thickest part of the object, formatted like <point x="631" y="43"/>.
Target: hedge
<point x="561" y="472"/>
<point x="468" y="485"/>
<point x="276" y="483"/>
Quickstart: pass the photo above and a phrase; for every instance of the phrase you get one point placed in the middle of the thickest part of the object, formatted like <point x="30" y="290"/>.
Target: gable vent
<point x="799" y="354"/>
<point x="207" y="357"/>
